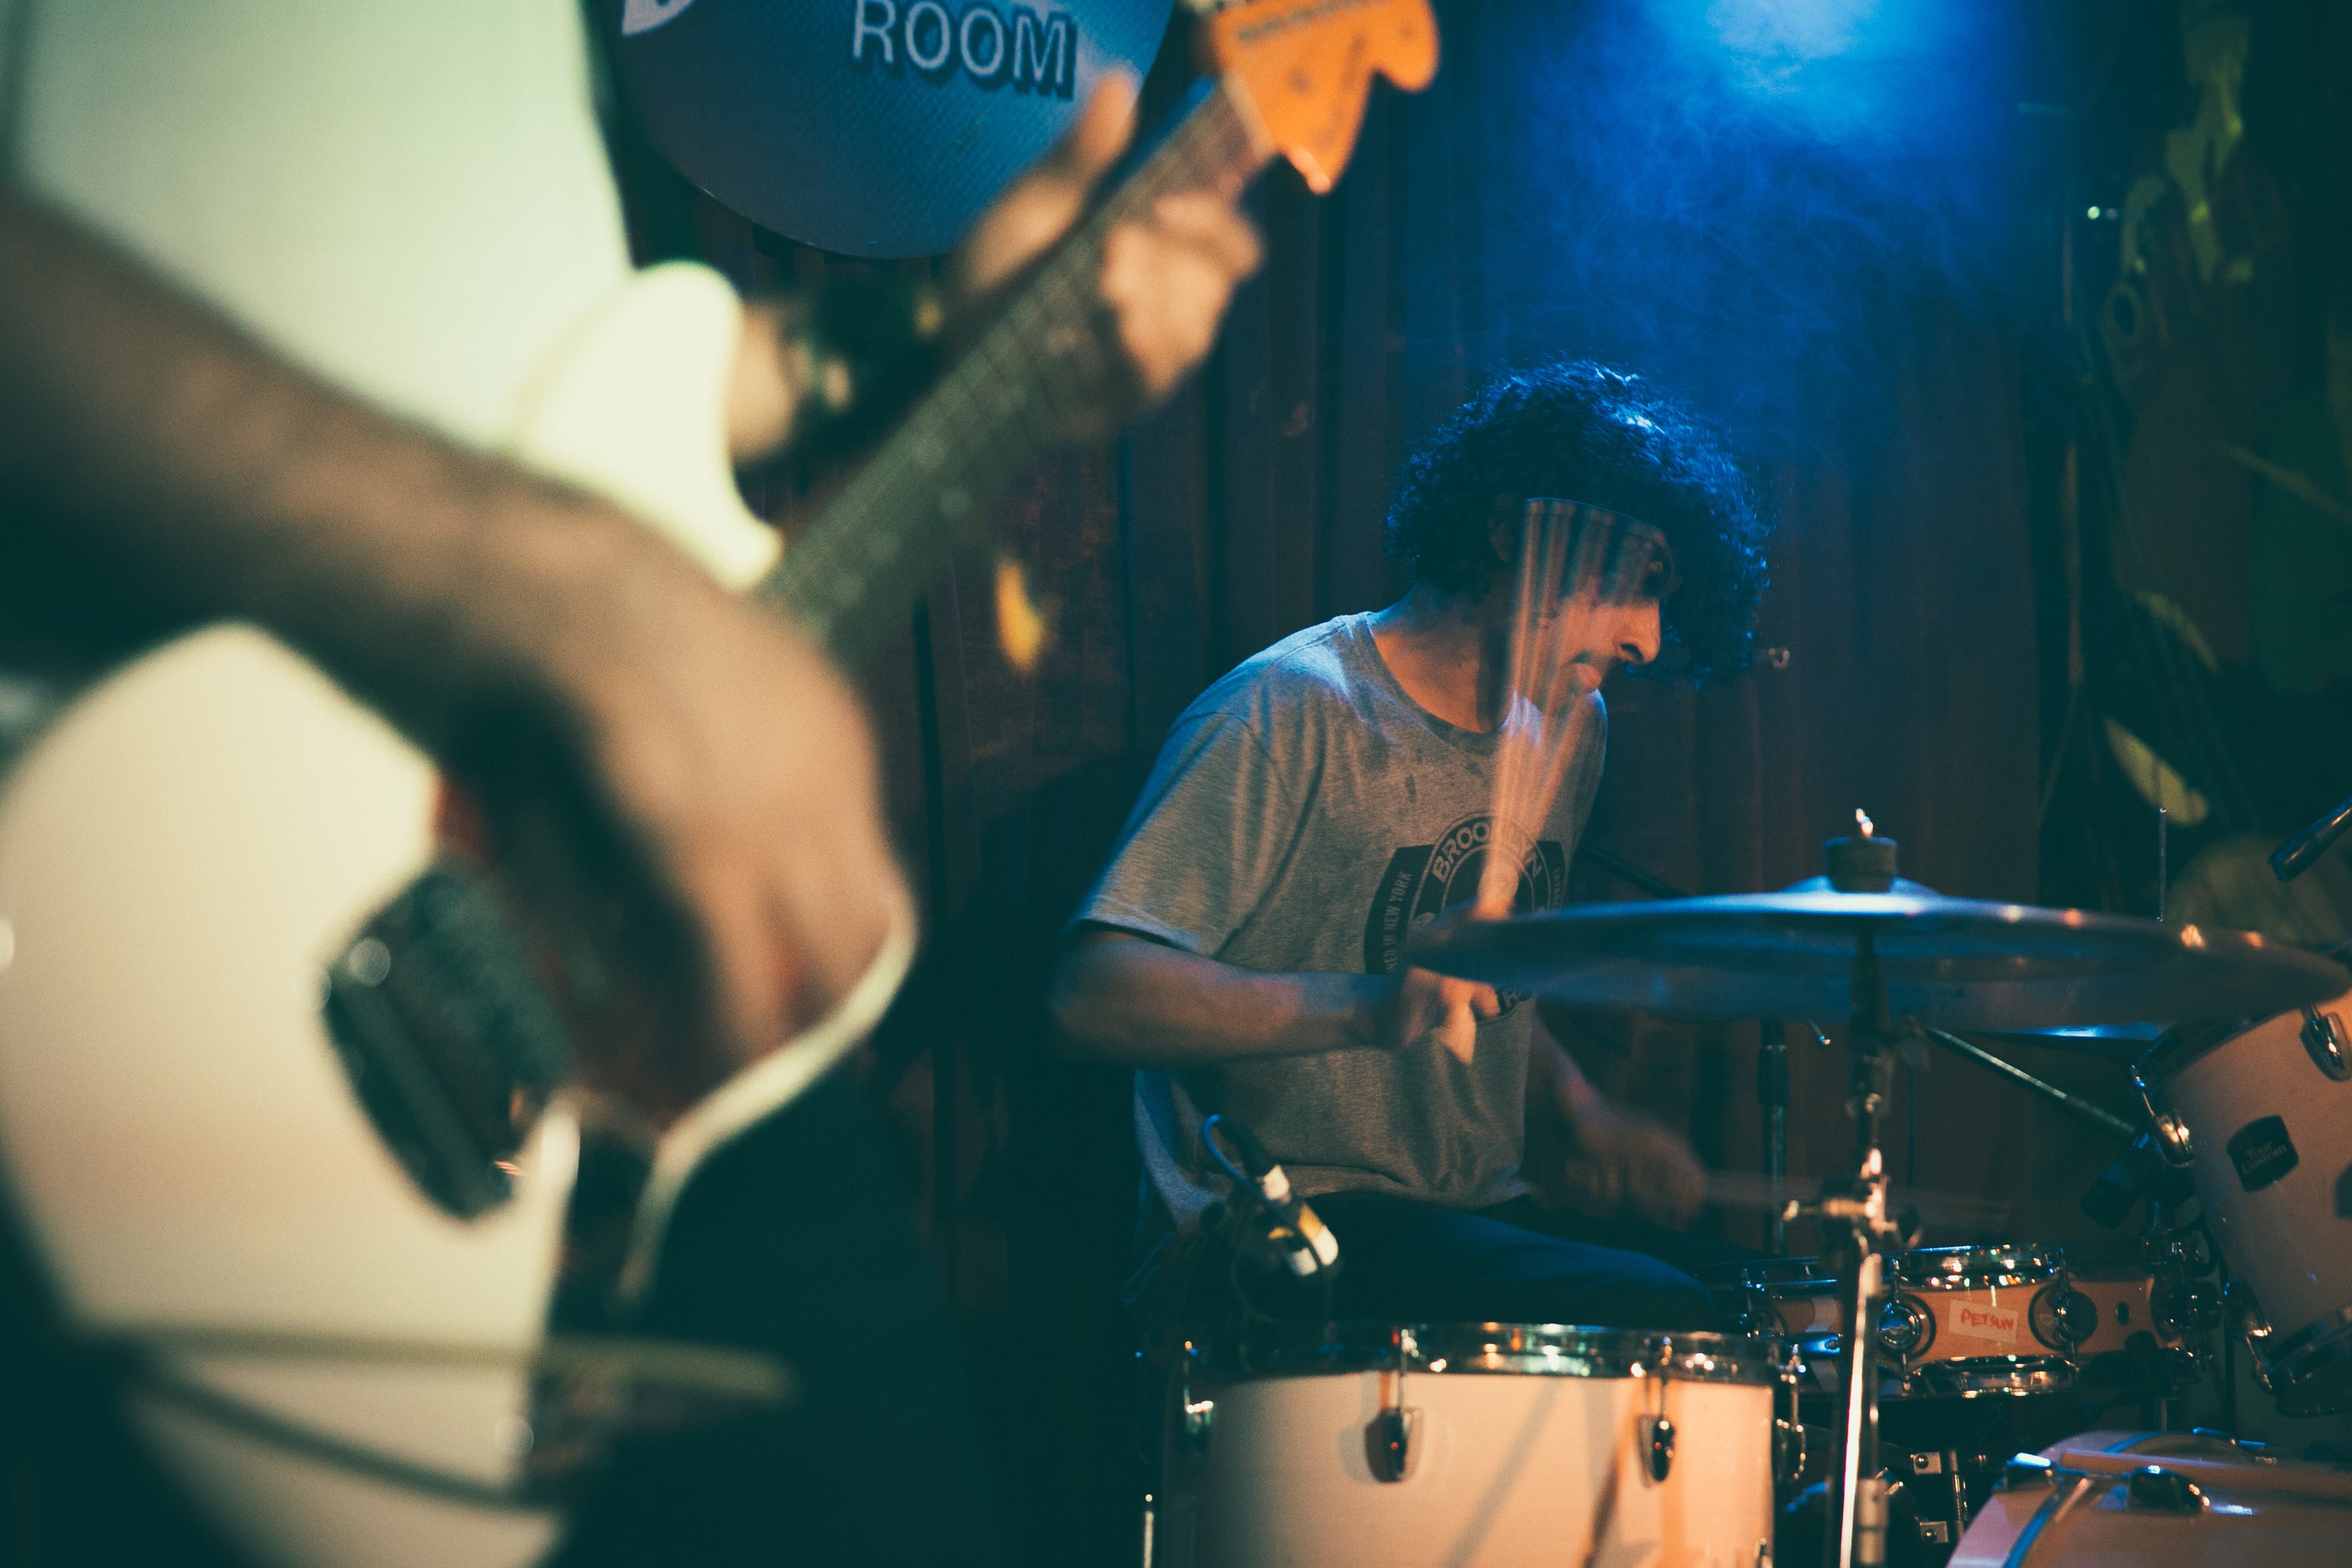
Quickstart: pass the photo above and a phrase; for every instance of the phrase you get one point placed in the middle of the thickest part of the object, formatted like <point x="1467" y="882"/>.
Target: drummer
<point x="1333" y="793"/>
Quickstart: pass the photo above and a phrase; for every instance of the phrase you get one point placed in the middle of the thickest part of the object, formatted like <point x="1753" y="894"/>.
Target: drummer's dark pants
<point x="1404" y="1261"/>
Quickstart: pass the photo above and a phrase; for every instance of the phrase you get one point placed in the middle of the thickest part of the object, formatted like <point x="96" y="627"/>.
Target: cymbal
<point x="1954" y="962"/>
<point x="2122" y="1042"/>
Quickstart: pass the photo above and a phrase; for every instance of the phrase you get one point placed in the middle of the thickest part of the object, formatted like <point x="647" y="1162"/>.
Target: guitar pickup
<point x="450" y="1042"/>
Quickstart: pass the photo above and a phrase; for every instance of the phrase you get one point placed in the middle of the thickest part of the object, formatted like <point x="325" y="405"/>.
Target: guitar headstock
<point x="1305" y="68"/>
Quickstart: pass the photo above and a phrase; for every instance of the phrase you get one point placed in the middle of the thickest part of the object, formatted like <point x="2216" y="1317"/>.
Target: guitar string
<point x="1022" y="338"/>
<point x="985" y="411"/>
<point x="1025" y="339"/>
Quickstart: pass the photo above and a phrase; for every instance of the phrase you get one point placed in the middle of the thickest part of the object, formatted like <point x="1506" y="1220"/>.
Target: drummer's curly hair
<point x="1583" y="432"/>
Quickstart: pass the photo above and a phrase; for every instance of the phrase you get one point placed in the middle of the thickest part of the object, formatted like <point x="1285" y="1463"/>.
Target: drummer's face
<point x="1607" y="575"/>
<point x="1602" y="631"/>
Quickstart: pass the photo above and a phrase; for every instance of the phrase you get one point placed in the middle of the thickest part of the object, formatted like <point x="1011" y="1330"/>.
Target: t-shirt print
<point x="1423" y="879"/>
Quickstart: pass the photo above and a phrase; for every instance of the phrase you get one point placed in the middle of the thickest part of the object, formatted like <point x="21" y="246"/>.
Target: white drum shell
<point x="2284" y="1238"/>
<point x="1501" y="1468"/>
<point x="2283" y="1514"/>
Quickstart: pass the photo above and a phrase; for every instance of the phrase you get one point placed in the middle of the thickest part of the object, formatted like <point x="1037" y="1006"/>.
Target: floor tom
<point x="2131" y="1498"/>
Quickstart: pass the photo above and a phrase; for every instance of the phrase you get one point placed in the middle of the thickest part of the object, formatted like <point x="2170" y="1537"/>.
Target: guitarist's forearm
<point x="159" y="470"/>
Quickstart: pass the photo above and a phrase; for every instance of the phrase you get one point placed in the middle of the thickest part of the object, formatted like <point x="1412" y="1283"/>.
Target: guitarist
<point x="206" y="415"/>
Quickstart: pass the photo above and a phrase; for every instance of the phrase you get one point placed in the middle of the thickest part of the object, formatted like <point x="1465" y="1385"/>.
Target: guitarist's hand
<point x="738" y="879"/>
<point x="1166" y="277"/>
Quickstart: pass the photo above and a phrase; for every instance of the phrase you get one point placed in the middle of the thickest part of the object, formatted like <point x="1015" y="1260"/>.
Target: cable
<point x="739" y="1379"/>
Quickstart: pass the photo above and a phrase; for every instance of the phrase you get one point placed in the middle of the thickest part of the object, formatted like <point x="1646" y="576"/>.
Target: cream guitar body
<point x="180" y="857"/>
<point x="336" y="1363"/>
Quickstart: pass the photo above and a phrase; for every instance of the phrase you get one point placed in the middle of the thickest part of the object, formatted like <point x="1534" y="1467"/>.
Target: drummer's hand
<point x="1421" y="1002"/>
<point x="1627" y="1162"/>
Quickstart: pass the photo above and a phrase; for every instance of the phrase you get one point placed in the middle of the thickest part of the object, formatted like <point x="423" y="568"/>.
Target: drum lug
<point x="1787" y="1450"/>
<point x="1658" y="1446"/>
<point x="1194" y="1418"/>
<point x="1655" y="1433"/>
<point x="2249" y="1323"/>
<point x="1392" y="1444"/>
<point x="1389" y="1440"/>
<point x="1789" y="1430"/>
<point x="1905" y="1328"/>
<point x="2323" y="1037"/>
<point x="2062" y="1317"/>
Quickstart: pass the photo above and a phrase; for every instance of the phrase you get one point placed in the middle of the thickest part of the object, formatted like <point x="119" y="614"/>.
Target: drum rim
<point x="1999" y="1267"/>
<point x="2184" y="1045"/>
<point x="1542" y="1350"/>
<point x="1992" y="1378"/>
<point x="1963" y="1376"/>
<point x="2296" y="1365"/>
<point x="1993" y="1268"/>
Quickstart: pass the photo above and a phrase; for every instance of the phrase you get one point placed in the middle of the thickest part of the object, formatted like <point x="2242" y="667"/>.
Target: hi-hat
<point x="1957" y="963"/>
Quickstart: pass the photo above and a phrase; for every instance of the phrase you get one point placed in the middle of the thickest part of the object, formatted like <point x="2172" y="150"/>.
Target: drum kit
<point x="1315" y="1444"/>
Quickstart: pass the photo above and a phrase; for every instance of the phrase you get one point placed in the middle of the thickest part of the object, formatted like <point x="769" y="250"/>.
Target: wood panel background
<point x="1903" y="680"/>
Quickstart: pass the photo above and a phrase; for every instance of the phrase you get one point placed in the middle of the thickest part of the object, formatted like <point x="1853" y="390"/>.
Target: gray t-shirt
<point x="1306" y="815"/>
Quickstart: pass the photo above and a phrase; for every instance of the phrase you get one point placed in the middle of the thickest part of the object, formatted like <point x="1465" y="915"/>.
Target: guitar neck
<point x="871" y="553"/>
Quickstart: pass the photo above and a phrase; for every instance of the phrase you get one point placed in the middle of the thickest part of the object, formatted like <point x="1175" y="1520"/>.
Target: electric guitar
<point x="272" y="1065"/>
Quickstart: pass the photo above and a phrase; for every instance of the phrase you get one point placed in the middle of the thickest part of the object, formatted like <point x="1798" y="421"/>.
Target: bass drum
<point x="1473" y="1443"/>
<point x="2268" y="1111"/>
<point x="2159" y="1498"/>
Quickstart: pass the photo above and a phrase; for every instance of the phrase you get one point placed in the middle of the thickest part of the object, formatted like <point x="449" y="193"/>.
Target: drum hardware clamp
<point x="2173" y="1139"/>
<point x="2323" y="1036"/>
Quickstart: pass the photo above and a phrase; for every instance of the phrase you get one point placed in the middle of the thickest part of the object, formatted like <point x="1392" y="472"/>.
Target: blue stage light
<point x="1790" y="30"/>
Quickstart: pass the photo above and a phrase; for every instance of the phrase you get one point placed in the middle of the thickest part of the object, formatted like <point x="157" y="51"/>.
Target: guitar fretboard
<point x="873" y="550"/>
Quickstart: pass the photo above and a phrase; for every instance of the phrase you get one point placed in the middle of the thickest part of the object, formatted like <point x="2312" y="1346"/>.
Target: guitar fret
<point x="987" y="417"/>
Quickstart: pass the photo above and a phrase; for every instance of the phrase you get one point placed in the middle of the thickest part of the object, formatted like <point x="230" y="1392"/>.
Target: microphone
<point x="2293" y="858"/>
<point x="1286" y="1228"/>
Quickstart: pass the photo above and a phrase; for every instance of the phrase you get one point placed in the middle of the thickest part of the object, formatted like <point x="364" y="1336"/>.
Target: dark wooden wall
<point x="1251" y="506"/>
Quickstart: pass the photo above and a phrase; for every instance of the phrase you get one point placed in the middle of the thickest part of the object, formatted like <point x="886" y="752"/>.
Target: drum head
<point x="1543" y="1350"/>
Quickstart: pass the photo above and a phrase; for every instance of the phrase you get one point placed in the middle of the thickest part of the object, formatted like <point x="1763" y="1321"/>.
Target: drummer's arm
<point x="1123" y="999"/>
<point x="1619" y="1159"/>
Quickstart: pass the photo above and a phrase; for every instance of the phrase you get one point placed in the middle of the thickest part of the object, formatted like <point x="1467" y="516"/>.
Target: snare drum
<point x="1474" y="1443"/>
<point x="1961" y="1321"/>
<point x="2269" y="1113"/>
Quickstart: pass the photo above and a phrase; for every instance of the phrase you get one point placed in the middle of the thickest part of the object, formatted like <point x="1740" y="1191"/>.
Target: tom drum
<point x="1474" y="1443"/>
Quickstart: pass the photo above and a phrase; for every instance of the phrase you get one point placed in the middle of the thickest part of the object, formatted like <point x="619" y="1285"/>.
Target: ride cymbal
<point x="1957" y="963"/>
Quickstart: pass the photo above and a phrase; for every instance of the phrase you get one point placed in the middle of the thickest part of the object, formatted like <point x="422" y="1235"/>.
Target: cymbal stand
<point x="1773" y="1095"/>
<point x="1852" y="1216"/>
